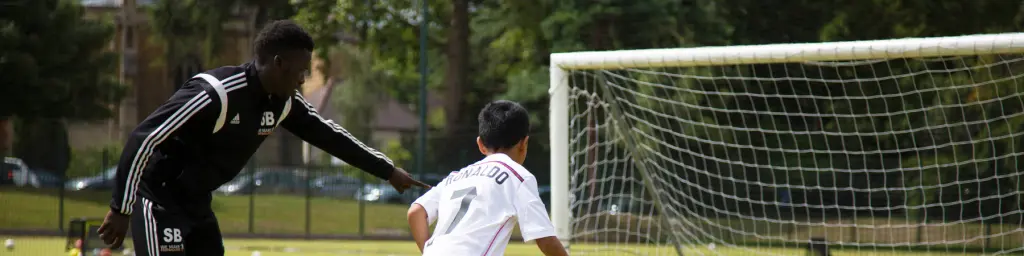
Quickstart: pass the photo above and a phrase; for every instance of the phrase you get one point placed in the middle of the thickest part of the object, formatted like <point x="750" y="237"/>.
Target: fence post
<point x="60" y="202"/>
<point x="362" y="206"/>
<point x="309" y="198"/>
<point x="252" y="196"/>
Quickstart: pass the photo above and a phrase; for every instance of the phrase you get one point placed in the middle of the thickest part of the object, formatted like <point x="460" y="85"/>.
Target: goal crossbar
<point x="562" y="63"/>
<point x="781" y="53"/>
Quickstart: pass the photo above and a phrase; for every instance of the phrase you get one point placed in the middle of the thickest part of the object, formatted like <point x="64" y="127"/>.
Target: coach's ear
<point x="480" y="146"/>
<point x="278" y="61"/>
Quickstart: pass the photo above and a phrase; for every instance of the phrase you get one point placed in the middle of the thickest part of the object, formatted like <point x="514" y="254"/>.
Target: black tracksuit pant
<point x="158" y="230"/>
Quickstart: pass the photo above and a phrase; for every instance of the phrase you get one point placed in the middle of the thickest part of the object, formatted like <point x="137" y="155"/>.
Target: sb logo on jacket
<point x="267" y="123"/>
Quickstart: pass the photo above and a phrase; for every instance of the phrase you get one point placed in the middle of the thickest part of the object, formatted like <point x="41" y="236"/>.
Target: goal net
<point x="887" y="146"/>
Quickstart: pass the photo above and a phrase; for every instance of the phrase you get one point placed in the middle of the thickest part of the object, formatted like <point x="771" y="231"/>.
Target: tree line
<point x="56" y="67"/>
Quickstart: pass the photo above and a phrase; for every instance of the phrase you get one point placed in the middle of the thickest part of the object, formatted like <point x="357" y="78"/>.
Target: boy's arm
<point x="422" y="213"/>
<point x="419" y="225"/>
<point x="534" y="223"/>
<point x="551" y="246"/>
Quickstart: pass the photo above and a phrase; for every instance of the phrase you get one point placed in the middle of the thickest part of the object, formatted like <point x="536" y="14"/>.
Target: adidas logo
<point x="235" y="120"/>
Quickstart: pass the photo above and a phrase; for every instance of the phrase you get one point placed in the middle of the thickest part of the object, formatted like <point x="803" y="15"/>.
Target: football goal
<point x="890" y="146"/>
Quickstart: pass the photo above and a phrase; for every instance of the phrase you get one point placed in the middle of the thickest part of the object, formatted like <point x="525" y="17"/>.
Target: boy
<point x="478" y="205"/>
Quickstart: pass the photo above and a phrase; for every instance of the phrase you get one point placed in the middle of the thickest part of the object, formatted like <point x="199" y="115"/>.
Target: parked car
<point x="273" y="180"/>
<point x="46" y="179"/>
<point x="385" y="193"/>
<point x="336" y="186"/>
<point x="18" y="174"/>
<point x="7" y="173"/>
<point x="15" y="172"/>
<point x="102" y="181"/>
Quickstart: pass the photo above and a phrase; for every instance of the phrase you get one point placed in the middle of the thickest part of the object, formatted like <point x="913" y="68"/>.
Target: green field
<point x="278" y="214"/>
<point x="272" y="214"/>
<point x="53" y="246"/>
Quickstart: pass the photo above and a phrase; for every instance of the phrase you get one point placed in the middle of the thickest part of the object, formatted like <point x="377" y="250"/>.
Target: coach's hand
<point x="402" y="181"/>
<point x="114" y="229"/>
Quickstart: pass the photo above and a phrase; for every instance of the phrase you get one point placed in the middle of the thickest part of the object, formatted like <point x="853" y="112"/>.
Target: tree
<point x="505" y="29"/>
<point x="55" y="62"/>
<point x="388" y="32"/>
<point x="193" y="28"/>
<point x="361" y="89"/>
<point x="56" y="67"/>
<point x="456" y="76"/>
<point x="6" y="136"/>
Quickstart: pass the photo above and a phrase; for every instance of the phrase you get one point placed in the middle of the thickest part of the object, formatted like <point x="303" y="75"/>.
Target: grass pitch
<point x="37" y="209"/>
<point x="271" y="214"/>
<point x="34" y="246"/>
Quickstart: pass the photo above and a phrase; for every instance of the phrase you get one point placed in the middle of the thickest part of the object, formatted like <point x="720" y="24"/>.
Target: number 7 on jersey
<point x="467" y="194"/>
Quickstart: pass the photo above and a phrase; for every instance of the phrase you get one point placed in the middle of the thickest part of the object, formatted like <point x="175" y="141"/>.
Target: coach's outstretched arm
<point x="307" y="124"/>
<point x="191" y="109"/>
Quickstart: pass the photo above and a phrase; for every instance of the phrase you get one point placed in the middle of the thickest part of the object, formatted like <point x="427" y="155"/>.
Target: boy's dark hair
<point x="503" y="124"/>
<point x="280" y="36"/>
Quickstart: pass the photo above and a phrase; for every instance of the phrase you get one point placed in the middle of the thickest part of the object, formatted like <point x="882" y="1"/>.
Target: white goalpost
<point x="888" y="146"/>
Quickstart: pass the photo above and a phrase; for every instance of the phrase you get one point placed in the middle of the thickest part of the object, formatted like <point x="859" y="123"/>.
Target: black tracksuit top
<point x="191" y="145"/>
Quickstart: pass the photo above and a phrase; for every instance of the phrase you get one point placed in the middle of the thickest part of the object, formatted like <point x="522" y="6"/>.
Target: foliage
<point x="55" y="62"/>
<point x="6" y="136"/>
<point x="42" y="144"/>
<point x="357" y="94"/>
<point x="56" y="66"/>
<point x="479" y="50"/>
<point x="510" y="43"/>
<point x="396" y="151"/>
<point x="92" y="161"/>
<point x="195" y="28"/>
<point x="387" y="31"/>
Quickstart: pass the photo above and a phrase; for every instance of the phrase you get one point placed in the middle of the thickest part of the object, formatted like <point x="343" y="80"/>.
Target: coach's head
<point x="504" y="126"/>
<point x="283" y="51"/>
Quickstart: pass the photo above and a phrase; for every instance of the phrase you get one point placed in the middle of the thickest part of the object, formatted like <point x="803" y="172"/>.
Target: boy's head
<point x="504" y="126"/>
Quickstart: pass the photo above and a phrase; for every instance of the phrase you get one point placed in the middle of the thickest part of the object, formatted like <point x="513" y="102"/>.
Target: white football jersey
<point x="475" y="208"/>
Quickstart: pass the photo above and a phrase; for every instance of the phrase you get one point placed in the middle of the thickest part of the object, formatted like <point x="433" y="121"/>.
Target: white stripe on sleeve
<point x="155" y="138"/>
<point x="338" y="129"/>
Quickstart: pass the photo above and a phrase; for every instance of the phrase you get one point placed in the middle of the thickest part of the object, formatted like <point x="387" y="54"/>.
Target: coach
<point x="206" y="132"/>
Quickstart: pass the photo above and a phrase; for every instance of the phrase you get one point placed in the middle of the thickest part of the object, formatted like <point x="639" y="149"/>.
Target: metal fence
<point x="267" y="201"/>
